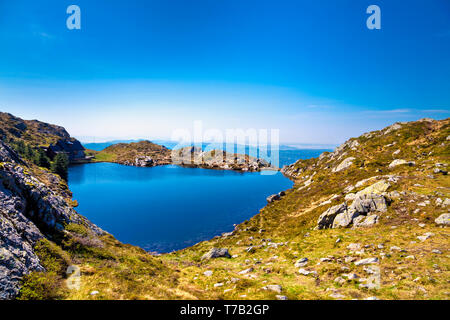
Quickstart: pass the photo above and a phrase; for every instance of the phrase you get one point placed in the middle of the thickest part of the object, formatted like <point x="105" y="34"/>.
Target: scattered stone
<point x="436" y="251"/>
<point x="273" y="287"/>
<point x="443" y="219"/>
<point x="366" y="261"/>
<point x="336" y="295"/>
<point x="219" y="284"/>
<point x="306" y="272"/>
<point x="440" y="171"/>
<point x="280" y="297"/>
<point x="354" y="246"/>
<point x="208" y="273"/>
<point x="352" y="276"/>
<point x="425" y="236"/>
<point x="370" y="270"/>
<point x="301" y="262"/>
<point x="94" y="293"/>
<point x="371" y="298"/>
<point x="339" y="280"/>
<point x="246" y="271"/>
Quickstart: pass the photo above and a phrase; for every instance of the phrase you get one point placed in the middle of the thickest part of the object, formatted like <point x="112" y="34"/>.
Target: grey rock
<point x="246" y="271"/>
<point x="443" y="219"/>
<point x="26" y="202"/>
<point x="301" y="262"/>
<point x="398" y="162"/>
<point x="366" y="261"/>
<point x="362" y="221"/>
<point x="344" y="164"/>
<point x="326" y="219"/>
<point x="216" y="253"/>
<point x="273" y="287"/>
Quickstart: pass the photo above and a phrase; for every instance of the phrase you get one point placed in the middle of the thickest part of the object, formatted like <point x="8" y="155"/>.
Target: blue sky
<point x="141" y="69"/>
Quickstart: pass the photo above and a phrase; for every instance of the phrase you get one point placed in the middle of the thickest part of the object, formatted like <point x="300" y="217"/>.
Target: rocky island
<point x="148" y="154"/>
<point x="367" y="221"/>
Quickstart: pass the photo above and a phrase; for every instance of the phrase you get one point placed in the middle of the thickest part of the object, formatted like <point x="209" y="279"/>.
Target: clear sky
<point x="141" y="69"/>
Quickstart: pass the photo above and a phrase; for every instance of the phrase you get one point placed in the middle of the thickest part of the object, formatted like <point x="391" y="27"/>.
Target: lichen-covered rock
<point x="363" y="221"/>
<point x="326" y="219"/>
<point x="344" y="164"/>
<point x="341" y="216"/>
<point x="376" y="188"/>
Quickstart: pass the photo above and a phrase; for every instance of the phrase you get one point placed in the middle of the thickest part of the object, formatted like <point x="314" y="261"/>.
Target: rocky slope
<point x="37" y="134"/>
<point x="29" y="211"/>
<point x="367" y="221"/>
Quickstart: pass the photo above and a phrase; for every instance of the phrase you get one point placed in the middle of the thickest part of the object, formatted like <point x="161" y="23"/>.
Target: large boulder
<point x="341" y="216"/>
<point x="216" y="253"/>
<point x="326" y="219"/>
<point x="344" y="164"/>
<point x="363" y="204"/>
<point x="363" y="221"/>
<point x="377" y="188"/>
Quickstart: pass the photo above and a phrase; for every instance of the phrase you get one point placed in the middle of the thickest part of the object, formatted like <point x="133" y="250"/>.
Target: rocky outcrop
<point x="216" y="253"/>
<point x="341" y="216"/>
<point x="29" y="211"/>
<point x="344" y="164"/>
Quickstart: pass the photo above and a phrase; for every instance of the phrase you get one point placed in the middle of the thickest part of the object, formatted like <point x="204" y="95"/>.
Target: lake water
<point x="168" y="208"/>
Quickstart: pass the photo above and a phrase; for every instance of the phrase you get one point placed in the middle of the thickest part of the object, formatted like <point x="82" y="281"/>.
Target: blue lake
<point x="168" y="208"/>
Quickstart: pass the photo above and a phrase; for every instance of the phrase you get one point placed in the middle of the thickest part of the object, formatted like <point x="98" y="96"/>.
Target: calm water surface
<point x="167" y="208"/>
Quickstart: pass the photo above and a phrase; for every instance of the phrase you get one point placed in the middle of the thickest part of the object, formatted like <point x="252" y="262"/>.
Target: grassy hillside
<point x="126" y="153"/>
<point x="32" y="132"/>
<point x="411" y="250"/>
